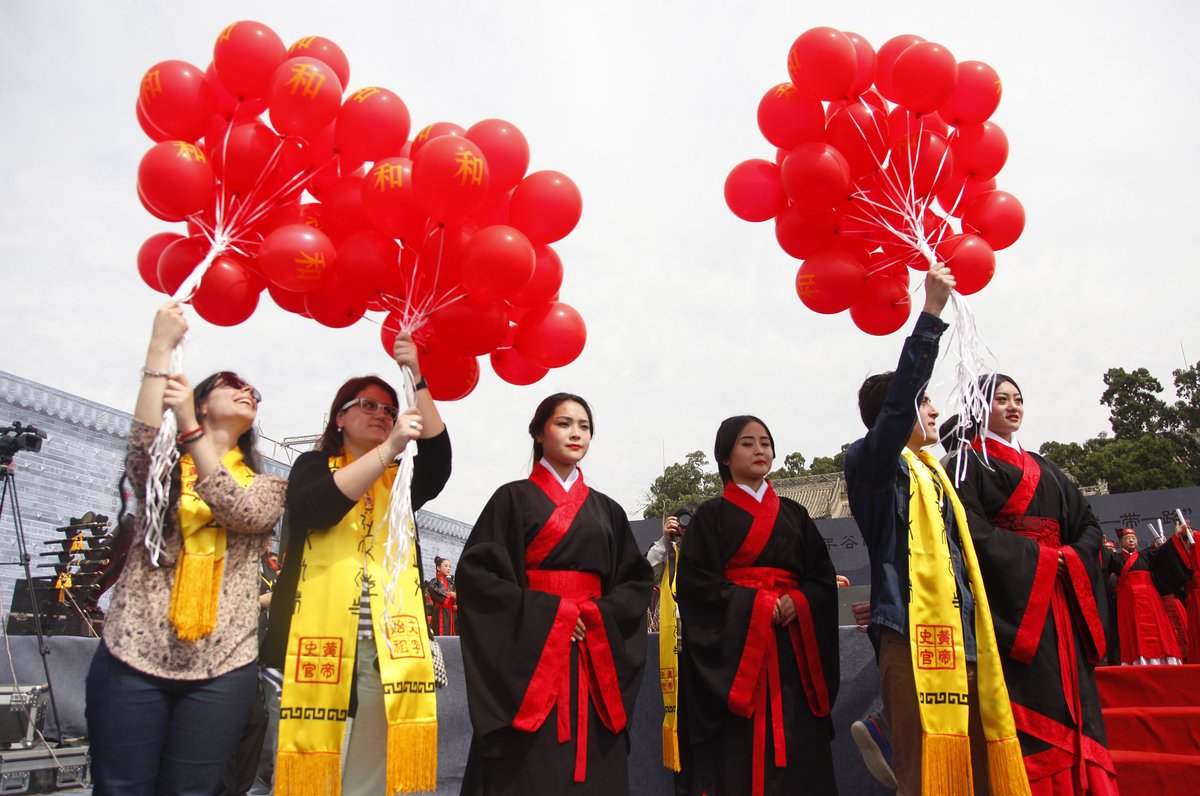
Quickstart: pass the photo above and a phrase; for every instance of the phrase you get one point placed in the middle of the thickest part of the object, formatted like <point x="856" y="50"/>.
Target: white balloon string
<point x="970" y="396"/>
<point x="398" y="523"/>
<point x="164" y="455"/>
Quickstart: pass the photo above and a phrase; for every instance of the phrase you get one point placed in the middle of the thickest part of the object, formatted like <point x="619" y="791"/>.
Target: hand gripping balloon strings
<point x="164" y="455"/>
<point x="398" y="523"/>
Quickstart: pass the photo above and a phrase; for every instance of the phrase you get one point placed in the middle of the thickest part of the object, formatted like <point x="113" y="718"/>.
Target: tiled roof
<point x="56" y="403"/>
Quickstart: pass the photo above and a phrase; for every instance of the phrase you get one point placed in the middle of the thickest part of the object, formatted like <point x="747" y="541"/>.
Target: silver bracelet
<point x="157" y="374"/>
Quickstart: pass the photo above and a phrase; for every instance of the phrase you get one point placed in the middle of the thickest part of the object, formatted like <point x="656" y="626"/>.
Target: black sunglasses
<point x="234" y="382"/>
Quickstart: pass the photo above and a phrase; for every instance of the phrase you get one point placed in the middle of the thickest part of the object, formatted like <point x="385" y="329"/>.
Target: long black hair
<point x="545" y="411"/>
<point x="727" y="437"/>
<point x="332" y="441"/>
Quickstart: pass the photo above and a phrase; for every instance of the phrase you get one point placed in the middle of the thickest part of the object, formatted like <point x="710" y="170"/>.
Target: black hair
<point x="727" y="437"/>
<point x="545" y="411"/>
<point x="332" y="442"/>
<point x="247" y="442"/>
<point x="871" y="396"/>
<point x="991" y="382"/>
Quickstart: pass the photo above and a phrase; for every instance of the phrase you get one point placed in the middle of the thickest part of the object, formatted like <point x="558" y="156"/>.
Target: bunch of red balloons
<point x="886" y="161"/>
<point x="288" y="184"/>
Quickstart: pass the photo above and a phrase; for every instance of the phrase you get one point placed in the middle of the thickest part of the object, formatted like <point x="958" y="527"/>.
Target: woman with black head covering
<point x="758" y="606"/>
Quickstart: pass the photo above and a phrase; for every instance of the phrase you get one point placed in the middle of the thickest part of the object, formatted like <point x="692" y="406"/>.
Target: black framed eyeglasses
<point x="371" y="406"/>
<point x="235" y="382"/>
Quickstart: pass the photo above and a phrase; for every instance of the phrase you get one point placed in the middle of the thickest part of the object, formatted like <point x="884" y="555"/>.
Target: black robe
<point x="504" y="626"/>
<point x="715" y="615"/>
<point x="1011" y="564"/>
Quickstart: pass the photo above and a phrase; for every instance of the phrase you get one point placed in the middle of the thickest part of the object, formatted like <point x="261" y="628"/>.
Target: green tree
<point x="829" y="464"/>
<point x="680" y="483"/>
<point x="1134" y="406"/>
<point x="793" y="467"/>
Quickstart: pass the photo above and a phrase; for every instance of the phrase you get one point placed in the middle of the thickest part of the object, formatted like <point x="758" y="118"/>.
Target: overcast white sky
<point x="691" y="313"/>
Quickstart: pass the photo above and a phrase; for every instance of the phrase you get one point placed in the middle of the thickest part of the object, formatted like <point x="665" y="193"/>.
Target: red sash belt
<point x="757" y="680"/>
<point x="551" y="681"/>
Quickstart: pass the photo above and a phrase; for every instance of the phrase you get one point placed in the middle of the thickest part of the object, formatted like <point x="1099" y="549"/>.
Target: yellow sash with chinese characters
<point x="201" y="565"/>
<point x="668" y="661"/>
<point x="939" y="660"/>
<point x="322" y="641"/>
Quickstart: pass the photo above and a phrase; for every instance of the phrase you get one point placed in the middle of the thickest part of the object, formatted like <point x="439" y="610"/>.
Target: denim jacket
<point x="877" y="483"/>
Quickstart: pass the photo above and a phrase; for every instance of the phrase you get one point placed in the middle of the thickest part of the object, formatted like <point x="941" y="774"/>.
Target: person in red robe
<point x="758" y="607"/>
<point x="552" y="600"/>
<point x="1147" y="635"/>
<point x="1038" y="544"/>
<point x="443" y="599"/>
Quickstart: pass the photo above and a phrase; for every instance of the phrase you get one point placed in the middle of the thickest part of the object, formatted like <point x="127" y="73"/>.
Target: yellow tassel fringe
<point x="670" y="740"/>
<point x="314" y="774"/>
<point x="195" y="594"/>
<point x="412" y="756"/>
<point x="1006" y="768"/>
<point x="945" y="765"/>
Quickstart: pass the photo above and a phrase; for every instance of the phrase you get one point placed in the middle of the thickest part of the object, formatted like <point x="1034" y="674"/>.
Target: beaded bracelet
<point x="157" y="374"/>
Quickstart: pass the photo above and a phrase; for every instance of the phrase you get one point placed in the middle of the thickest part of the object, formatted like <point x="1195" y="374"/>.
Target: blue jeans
<point x="157" y="737"/>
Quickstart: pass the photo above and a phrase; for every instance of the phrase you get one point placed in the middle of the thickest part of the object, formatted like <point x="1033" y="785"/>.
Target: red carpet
<point x="1152" y="715"/>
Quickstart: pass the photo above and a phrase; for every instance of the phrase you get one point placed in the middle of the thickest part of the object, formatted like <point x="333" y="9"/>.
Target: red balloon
<point x="971" y="260"/>
<point x="450" y="177"/>
<point x="331" y="174"/>
<point x="229" y="106"/>
<point x="544" y="284"/>
<point x="287" y="300"/>
<point x="342" y="210"/>
<point x="390" y="202"/>
<point x="551" y="335"/>
<point x="884" y="306"/>
<point x="996" y="216"/>
<point x="242" y="157"/>
<point x="296" y="256"/>
<point x="368" y="263"/>
<point x="152" y="132"/>
<point x="975" y="97"/>
<point x="494" y="209"/>
<point x="304" y="97"/>
<point x="958" y="190"/>
<point x="546" y="206"/>
<point x="372" y="124"/>
<point x="920" y="163"/>
<point x="176" y="179"/>
<point x="389" y="327"/>
<point x="924" y="76"/>
<point x="830" y="281"/>
<point x="860" y="132"/>
<point x="787" y="118"/>
<point x="439" y="265"/>
<point x="886" y="60"/>
<point x="430" y="132"/>
<point x="178" y="260"/>
<point x="451" y="376"/>
<point x="881" y="263"/>
<point x="325" y="50"/>
<point x="816" y="175"/>
<point x="802" y="231"/>
<point x="470" y="330"/>
<point x="823" y="64"/>
<point x="292" y="213"/>
<point x="506" y="150"/>
<point x="754" y="191"/>
<point x="903" y="122"/>
<point x="246" y="55"/>
<point x="865" y="60"/>
<point x="330" y="304"/>
<point x="148" y="256"/>
<point x="980" y="151"/>
<point x="510" y="365"/>
<point x="228" y="292"/>
<point x="177" y="99"/>
<point x="497" y="262"/>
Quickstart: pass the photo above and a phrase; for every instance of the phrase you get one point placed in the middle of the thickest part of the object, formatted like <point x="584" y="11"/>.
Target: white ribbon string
<point x="164" y="455"/>
<point x="398" y="522"/>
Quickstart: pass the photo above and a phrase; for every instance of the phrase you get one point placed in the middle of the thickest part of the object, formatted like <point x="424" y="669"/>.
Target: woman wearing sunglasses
<point x="342" y="651"/>
<point x="171" y="684"/>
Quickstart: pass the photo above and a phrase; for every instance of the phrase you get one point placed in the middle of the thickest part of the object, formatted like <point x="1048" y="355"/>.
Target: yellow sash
<point x="201" y="565"/>
<point x="939" y="661"/>
<point x="321" y="651"/>
<point x="668" y="661"/>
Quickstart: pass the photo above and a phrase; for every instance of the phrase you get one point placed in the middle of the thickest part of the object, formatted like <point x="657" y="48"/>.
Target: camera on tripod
<point x="17" y="437"/>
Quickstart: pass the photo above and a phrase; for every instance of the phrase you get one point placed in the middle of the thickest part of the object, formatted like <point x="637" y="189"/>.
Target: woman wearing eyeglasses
<point x="172" y="682"/>
<point x="343" y="653"/>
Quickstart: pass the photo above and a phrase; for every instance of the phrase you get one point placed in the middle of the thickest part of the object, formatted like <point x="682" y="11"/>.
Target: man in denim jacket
<point x="897" y="413"/>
